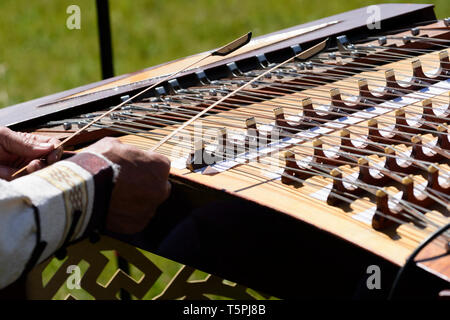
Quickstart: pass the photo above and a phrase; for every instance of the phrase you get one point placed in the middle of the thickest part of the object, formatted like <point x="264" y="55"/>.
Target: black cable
<point x="410" y="260"/>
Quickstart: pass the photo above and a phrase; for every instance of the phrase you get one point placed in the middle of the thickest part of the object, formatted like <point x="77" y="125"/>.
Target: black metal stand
<point x="104" y="33"/>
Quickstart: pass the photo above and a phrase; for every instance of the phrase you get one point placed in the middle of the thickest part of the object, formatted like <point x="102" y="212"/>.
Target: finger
<point x="6" y="172"/>
<point x="35" y="165"/>
<point x="41" y="139"/>
<point x="24" y="144"/>
<point x="55" y="155"/>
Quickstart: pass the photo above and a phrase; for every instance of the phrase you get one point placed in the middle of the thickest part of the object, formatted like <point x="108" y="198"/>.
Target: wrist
<point x="104" y="174"/>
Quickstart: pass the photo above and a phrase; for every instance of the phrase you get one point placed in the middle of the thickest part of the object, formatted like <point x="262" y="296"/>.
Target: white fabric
<point x="57" y="191"/>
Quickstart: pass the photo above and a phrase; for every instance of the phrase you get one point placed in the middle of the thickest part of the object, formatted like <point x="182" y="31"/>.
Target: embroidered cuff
<point x="105" y="174"/>
<point x="58" y="191"/>
<point x="72" y="197"/>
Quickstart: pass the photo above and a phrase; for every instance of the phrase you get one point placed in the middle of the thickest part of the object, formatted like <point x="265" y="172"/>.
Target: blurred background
<point x="39" y="55"/>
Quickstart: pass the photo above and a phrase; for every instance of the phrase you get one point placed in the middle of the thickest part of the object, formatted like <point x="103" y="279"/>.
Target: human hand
<point x="141" y="186"/>
<point x="18" y="149"/>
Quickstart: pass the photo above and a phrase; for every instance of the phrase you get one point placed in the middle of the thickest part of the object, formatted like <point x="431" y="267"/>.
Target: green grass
<point x="40" y="56"/>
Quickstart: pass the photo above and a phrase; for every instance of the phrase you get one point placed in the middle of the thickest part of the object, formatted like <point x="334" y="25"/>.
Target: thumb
<point x="6" y="172"/>
<point x="23" y="144"/>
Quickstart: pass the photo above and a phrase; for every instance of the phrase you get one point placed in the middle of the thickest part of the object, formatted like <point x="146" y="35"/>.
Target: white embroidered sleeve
<point x="58" y="191"/>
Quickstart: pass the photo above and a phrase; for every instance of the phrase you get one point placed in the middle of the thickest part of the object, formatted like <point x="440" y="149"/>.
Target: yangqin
<point x="349" y="144"/>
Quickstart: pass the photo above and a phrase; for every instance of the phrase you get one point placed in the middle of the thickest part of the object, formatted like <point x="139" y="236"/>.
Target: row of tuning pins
<point x="354" y="51"/>
<point x="393" y="88"/>
<point x="418" y="80"/>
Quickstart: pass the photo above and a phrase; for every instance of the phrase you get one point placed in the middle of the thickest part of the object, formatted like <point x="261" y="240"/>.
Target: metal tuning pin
<point x="446" y="22"/>
<point x="382" y="40"/>
<point x="67" y="126"/>
<point x="233" y="70"/>
<point x="202" y="78"/>
<point x="406" y="39"/>
<point x="415" y="31"/>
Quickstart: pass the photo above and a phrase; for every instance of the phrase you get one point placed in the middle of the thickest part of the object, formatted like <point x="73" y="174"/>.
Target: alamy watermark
<point x="374" y="19"/>
<point x="212" y="145"/>
<point x="74" y="280"/>
<point x="73" y="21"/>
<point x="374" y="279"/>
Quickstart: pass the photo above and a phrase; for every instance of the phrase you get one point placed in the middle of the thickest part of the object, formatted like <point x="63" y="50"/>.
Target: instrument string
<point x="352" y="196"/>
<point x="133" y="127"/>
<point x="181" y="116"/>
<point x="352" y="162"/>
